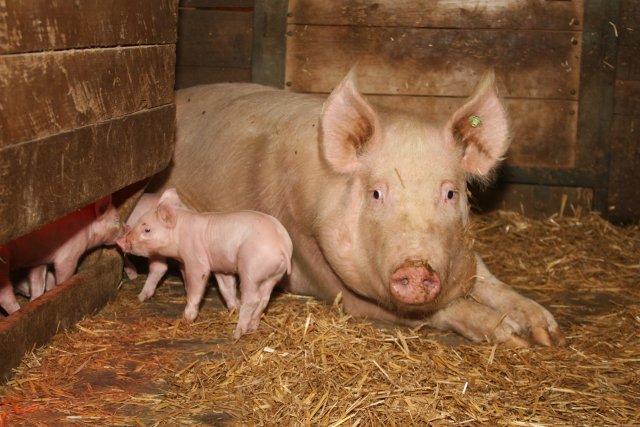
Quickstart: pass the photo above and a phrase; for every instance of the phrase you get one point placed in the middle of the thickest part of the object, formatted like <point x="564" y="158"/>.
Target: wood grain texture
<point x="44" y="179"/>
<point x="510" y="14"/>
<point x="629" y="26"/>
<point x="215" y="38"/>
<point x="627" y="97"/>
<point x="35" y="25"/>
<point x="46" y="93"/>
<point x="217" y="4"/>
<point x="83" y="294"/>
<point x="193" y="76"/>
<point x="624" y="169"/>
<point x="437" y="62"/>
<point x="534" y="124"/>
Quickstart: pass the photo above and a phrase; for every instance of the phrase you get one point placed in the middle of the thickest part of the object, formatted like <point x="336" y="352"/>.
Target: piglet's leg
<point x="157" y="269"/>
<point x="7" y="297"/>
<point x="65" y="268"/>
<point x="264" y="290"/>
<point x="227" y="287"/>
<point x="129" y="268"/>
<point x="50" y="280"/>
<point x="249" y="302"/>
<point x="195" y="281"/>
<point x="37" y="281"/>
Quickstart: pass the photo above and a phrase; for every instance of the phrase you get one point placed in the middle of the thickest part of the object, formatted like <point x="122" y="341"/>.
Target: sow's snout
<point x="415" y="282"/>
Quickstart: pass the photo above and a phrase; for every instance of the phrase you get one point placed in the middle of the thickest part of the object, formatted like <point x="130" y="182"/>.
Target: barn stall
<point x="567" y="71"/>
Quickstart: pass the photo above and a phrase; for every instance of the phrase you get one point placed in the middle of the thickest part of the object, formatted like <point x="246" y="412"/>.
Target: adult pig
<point x="60" y="243"/>
<point x="375" y="200"/>
<point x="253" y="245"/>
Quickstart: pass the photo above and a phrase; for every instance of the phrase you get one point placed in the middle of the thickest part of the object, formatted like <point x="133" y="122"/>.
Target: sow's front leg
<point x="494" y="312"/>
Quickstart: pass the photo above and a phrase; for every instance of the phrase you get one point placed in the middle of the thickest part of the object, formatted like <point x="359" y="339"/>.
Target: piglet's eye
<point x="451" y="194"/>
<point x="377" y="194"/>
<point x="147" y="230"/>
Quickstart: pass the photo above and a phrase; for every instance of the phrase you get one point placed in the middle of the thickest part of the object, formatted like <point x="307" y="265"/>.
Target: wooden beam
<point x="36" y="25"/>
<point x="47" y="178"/>
<point x="436" y="62"/>
<point x="507" y="14"/>
<point x="85" y="293"/>
<point x="52" y="92"/>
<point x="269" y="28"/>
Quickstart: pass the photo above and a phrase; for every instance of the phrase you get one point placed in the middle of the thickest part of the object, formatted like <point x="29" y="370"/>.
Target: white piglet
<point x="252" y="245"/>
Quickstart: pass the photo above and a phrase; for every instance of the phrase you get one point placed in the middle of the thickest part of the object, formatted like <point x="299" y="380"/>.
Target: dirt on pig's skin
<point x="309" y="363"/>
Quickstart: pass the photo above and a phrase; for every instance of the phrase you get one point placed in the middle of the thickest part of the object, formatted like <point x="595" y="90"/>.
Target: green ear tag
<point x="475" y="121"/>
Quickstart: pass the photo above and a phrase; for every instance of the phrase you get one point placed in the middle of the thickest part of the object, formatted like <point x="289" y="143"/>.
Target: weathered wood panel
<point x="214" y="45"/>
<point x="192" y="76"/>
<point x="629" y="26"/>
<point x="627" y="97"/>
<point x="35" y="323"/>
<point x="46" y="93"/>
<point x="532" y="121"/>
<point x="535" y="201"/>
<point x="47" y="25"/>
<point x="269" y="47"/>
<point x="511" y="14"/>
<point x="624" y="191"/>
<point x="217" y="3"/>
<point x="628" y="67"/>
<point x="437" y="62"/>
<point x="45" y="179"/>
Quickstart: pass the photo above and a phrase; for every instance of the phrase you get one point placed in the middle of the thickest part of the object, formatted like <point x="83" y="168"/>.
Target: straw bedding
<point x="310" y="364"/>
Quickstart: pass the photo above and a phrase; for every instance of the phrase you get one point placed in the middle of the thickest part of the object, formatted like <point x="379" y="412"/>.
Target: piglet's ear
<point x="167" y="214"/>
<point x="170" y="195"/>
<point x="348" y="127"/>
<point x="481" y="127"/>
<point x="102" y="205"/>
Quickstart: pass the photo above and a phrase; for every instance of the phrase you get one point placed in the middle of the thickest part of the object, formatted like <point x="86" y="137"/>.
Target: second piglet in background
<point x="252" y="245"/>
<point x="60" y="244"/>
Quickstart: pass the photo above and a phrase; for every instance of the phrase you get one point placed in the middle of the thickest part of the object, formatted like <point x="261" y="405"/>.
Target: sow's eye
<point x="449" y="193"/>
<point x="378" y="193"/>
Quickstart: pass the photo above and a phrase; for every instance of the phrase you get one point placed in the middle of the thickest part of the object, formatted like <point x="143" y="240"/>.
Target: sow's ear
<point x="481" y="127"/>
<point x="102" y="205"/>
<point x="348" y="127"/>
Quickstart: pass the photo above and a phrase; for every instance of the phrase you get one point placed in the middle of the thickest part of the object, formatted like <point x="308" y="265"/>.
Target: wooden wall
<point x="624" y="166"/>
<point x="214" y="41"/>
<point x="86" y="101"/>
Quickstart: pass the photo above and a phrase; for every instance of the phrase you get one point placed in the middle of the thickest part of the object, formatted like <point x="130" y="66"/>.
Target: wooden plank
<point x="628" y="65"/>
<point x="35" y="25"/>
<point x="215" y="38"/>
<point x="242" y="4"/>
<point x="45" y="179"/>
<point x="270" y="26"/>
<point x="627" y="98"/>
<point x="629" y="25"/>
<point x="192" y="76"/>
<point x="530" y="64"/>
<point x="53" y="92"/>
<point x="534" y="201"/>
<point x="597" y="81"/>
<point x="34" y="324"/>
<point x="509" y="14"/>
<point x="544" y="131"/>
<point x="624" y="171"/>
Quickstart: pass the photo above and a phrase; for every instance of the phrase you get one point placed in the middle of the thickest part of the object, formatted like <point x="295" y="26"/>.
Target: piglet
<point x="60" y="243"/>
<point x="157" y="263"/>
<point x="251" y="245"/>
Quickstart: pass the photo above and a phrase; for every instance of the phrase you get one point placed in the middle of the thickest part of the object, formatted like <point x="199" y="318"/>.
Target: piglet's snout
<point x="122" y="242"/>
<point x="414" y="282"/>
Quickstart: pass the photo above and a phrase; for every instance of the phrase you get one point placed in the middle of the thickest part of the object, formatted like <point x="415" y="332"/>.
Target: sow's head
<point x="397" y="232"/>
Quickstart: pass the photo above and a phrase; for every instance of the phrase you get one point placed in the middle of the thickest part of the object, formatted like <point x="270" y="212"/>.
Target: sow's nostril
<point x="414" y="285"/>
